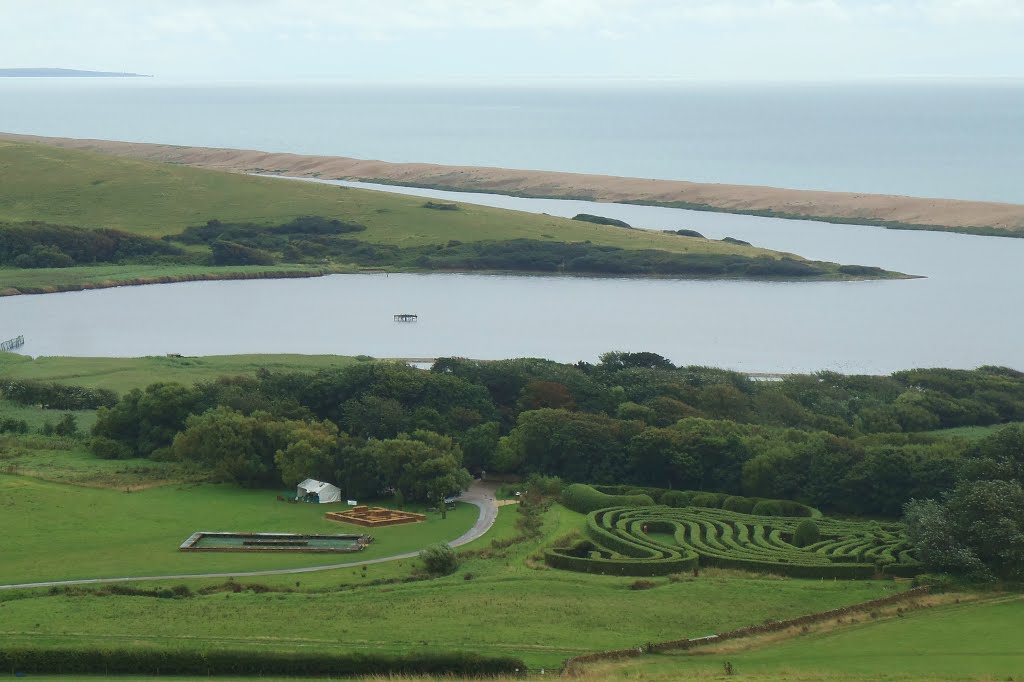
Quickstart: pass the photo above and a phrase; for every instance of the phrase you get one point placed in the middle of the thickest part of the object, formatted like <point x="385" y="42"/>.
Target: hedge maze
<point x="659" y="540"/>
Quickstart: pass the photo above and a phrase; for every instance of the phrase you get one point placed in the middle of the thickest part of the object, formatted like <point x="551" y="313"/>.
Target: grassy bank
<point x="957" y="641"/>
<point x="14" y="281"/>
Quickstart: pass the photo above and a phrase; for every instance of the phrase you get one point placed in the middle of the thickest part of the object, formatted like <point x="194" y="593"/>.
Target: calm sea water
<point x="965" y="313"/>
<point x="958" y="139"/>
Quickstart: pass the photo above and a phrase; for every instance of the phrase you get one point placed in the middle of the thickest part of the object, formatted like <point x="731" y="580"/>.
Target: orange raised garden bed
<point x="375" y="516"/>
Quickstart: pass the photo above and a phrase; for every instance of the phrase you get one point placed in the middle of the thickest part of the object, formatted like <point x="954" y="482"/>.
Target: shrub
<point x="547" y="486"/>
<point x="44" y="256"/>
<point x="108" y="448"/>
<point x="806" y="533"/>
<point x="743" y="505"/>
<point x="600" y="220"/>
<point x="67" y="426"/>
<point x="677" y="498"/>
<point x="439" y="559"/>
<point x="686" y="233"/>
<point x="441" y="206"/>
<point x="8" y="425"/>
<point x="710" y="500"/>
<point x="232" y="253"/>
<point x="768" y="508"/>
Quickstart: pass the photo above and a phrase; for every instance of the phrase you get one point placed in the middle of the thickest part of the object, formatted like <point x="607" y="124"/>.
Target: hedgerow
<point x="28" y="660"/>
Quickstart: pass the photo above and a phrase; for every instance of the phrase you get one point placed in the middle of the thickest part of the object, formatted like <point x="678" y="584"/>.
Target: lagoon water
<point x="960" y="139"/>
<point x="943" y="138"/>
<point x="964" y="313"/>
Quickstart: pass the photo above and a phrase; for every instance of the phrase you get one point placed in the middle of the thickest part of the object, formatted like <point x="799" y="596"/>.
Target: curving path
<point x="480" y="494"/>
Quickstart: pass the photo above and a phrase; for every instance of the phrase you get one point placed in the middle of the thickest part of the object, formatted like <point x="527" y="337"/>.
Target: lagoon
<point x="963" y="313"/>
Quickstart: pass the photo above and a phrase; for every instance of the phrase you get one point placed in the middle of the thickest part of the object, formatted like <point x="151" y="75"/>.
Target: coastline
<point x="889" y="211"/>
<point x="213" y="276"/>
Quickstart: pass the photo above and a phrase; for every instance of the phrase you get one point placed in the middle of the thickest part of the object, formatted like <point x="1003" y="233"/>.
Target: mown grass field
<point x="74" y="187"/>
<point x="978" y="640"/>
<point x="124" y="374"/>
<point x="62" y="532"/>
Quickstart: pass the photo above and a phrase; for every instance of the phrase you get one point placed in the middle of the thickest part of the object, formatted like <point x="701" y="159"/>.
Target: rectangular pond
<point x="273" y="542"/>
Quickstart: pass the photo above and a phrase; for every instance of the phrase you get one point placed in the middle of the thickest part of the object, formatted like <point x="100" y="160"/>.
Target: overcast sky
<point x="518" y="40"/>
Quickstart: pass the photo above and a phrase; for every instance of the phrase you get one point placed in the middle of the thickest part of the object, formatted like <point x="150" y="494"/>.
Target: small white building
<point x="325" y="492"/>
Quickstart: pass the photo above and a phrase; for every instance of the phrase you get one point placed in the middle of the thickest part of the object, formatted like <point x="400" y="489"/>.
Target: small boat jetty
<point x="16" y="342"/>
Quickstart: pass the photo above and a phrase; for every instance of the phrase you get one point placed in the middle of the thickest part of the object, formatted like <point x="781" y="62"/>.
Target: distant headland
<point x="66" y="73"/>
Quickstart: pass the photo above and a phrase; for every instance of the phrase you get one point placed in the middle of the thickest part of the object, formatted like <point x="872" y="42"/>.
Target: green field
<point x="957" y="641"/>
<point x="63" y="532"/>
<point x="73" y="187"/>
<point x="124" y="374"/>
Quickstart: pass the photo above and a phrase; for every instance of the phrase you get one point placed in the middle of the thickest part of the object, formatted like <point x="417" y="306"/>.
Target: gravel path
<point x="479" y="494"/>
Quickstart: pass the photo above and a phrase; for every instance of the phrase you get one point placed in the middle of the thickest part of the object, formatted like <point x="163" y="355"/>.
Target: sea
<point x="961" y="139"/>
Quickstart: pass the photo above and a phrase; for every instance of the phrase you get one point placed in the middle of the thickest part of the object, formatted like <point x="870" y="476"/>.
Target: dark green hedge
<point x="584" y="499"/>
<point x="627" y="566"/>
<point x="41" y="245"/>
<point x="155" y="662"/>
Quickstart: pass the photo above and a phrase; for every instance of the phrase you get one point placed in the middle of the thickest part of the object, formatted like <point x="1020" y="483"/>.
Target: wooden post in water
<point x="16" y="342"/>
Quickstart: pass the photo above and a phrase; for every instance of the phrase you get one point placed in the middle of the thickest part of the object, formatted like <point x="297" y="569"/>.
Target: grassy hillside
<point x="81" y="188"/>
<point x="960" y="641"/>
<point x="505" y="605"/>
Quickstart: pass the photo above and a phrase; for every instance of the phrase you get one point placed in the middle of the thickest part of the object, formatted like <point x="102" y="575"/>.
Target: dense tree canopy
<point x="852" y="444"/>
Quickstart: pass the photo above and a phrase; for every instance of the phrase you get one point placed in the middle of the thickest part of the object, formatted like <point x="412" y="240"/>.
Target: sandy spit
<point x="893" y="210"/>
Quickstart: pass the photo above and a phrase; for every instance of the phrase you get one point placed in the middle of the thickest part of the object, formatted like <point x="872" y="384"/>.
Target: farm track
<point x="479" y="495"/>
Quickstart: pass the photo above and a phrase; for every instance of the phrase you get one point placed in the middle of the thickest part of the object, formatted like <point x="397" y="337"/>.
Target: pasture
<point x="971" y="640"/>
<point x="157" y="199"/>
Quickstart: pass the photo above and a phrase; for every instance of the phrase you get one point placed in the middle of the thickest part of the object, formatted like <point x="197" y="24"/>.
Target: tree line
<point x="851" y="444"/>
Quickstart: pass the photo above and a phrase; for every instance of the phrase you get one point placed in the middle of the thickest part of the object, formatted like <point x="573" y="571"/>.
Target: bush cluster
<point x="56" y="396"/>
<point x="40" y="245"/>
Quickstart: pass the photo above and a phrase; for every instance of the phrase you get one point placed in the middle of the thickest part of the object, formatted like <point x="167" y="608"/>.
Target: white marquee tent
<point x="324" y="491"/>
